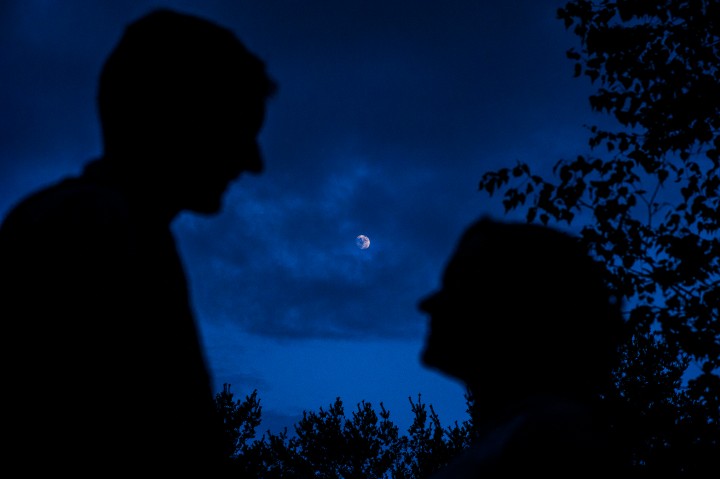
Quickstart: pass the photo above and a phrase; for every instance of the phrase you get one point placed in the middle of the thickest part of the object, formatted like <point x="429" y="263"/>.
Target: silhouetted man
<point x="104" y="372"/>
<point x="524" y="319"/>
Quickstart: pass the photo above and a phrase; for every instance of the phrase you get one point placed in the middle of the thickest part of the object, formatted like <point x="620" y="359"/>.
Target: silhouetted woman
<point x="524" y="319"/>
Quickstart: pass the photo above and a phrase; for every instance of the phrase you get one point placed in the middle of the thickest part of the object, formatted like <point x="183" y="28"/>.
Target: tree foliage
<point x="328" y="444"/>
<point x="240" y="420"/>
<point x="645" y="197"/>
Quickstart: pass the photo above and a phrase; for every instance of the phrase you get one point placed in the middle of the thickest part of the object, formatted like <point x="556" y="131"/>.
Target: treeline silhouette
<point x="335" y="443"/>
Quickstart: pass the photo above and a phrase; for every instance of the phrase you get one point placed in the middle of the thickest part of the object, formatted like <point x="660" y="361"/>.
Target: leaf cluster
<point x="645" y="198"/>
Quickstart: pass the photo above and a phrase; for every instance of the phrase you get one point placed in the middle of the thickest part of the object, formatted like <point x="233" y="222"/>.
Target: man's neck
<point x="147" y="192"/>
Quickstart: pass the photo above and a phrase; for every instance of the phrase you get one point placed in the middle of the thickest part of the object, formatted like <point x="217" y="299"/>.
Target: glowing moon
<point x="362" y="241"/>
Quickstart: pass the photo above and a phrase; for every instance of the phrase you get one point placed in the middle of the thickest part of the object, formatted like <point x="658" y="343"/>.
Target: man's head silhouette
<point x="181" y="102"/>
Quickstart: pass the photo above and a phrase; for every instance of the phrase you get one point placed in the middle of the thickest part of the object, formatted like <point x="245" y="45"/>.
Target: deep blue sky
<point x="387" y="115"/>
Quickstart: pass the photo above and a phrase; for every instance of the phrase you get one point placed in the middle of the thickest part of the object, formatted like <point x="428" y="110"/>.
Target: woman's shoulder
<point x="551" y="435"/>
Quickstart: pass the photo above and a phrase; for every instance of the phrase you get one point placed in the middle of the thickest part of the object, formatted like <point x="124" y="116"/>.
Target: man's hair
<point x="169" y="66"/>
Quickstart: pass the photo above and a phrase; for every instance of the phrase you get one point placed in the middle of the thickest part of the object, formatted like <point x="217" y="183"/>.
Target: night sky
<point x="387" y="115"/>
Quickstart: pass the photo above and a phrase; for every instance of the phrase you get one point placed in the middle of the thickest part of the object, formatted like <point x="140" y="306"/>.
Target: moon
<point x="362" y="241"/>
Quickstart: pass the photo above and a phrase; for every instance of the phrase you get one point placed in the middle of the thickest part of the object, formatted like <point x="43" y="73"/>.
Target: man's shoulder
<point x="70" y="219"/>
<point x="70" y="203"/>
